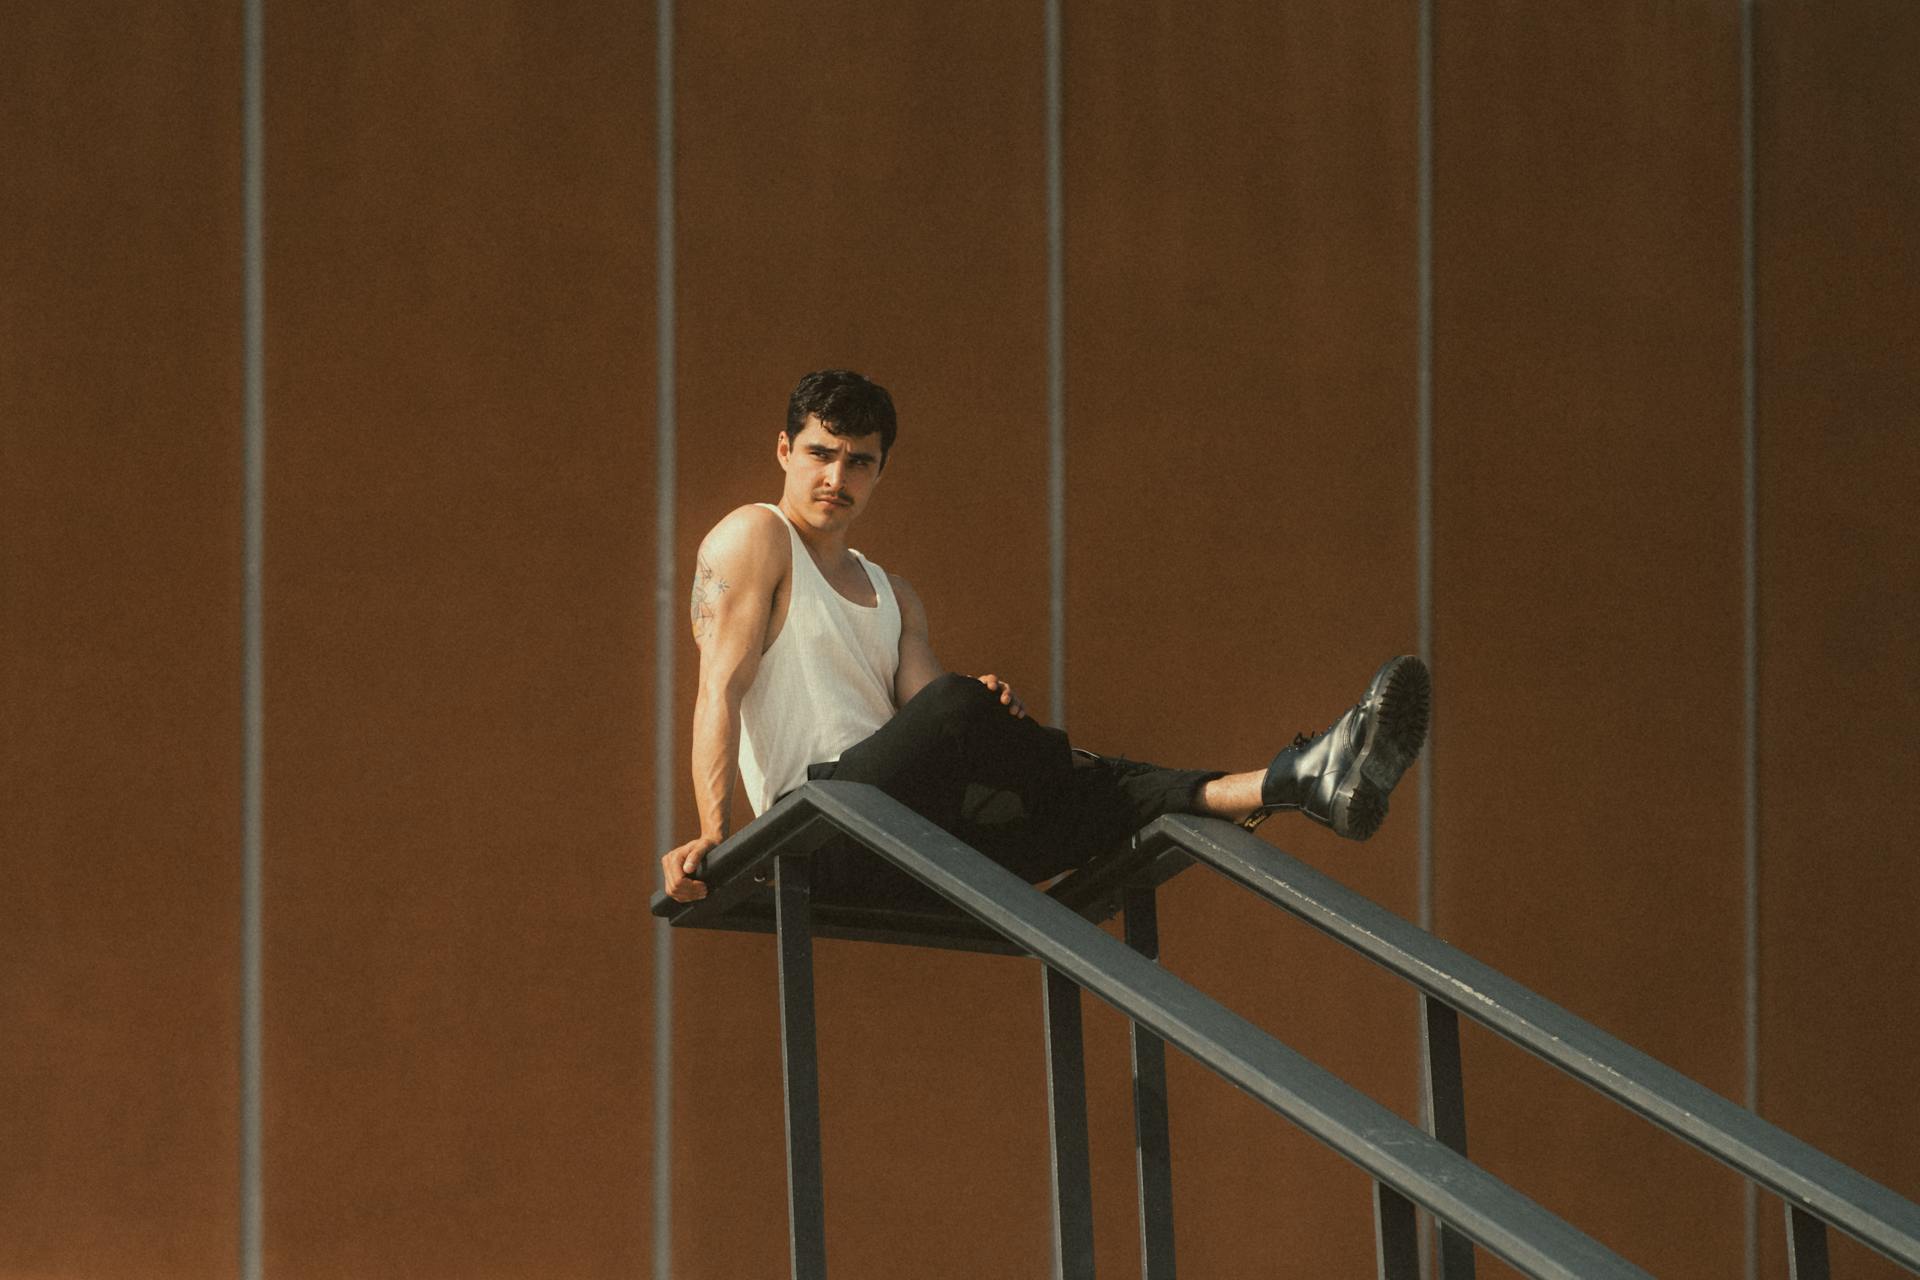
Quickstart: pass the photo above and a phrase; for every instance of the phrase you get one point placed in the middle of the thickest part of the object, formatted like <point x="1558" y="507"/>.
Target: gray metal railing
<point x="1410" y="1168"/>
<point x="1817" y="1189"/>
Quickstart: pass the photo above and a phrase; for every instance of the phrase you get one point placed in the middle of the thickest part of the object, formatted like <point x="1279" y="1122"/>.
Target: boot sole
<point x="1398" y="704"/>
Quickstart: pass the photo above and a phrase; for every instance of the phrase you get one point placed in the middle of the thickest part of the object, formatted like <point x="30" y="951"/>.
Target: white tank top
<point x="826" y="683"/>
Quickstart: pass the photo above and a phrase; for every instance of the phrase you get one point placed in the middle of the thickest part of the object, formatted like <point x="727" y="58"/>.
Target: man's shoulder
<point x="748" y="543"/>
<point x="749" y="528"/>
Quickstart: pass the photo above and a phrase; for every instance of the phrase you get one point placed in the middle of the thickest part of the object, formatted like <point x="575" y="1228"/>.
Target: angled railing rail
<point x="1409" y="1167"/>
<point x="1817" y="1189"/>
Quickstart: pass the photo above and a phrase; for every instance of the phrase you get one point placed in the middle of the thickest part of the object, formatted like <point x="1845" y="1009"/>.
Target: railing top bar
<point x="1379" y="1141"/>
<point x="1800" y="1173"/>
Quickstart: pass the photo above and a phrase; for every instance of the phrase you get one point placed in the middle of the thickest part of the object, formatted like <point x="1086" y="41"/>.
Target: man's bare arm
<point x="740" y="565"/>
<point x="918" y="665"/>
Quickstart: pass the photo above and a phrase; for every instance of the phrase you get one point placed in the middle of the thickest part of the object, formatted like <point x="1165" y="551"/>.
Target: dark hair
<point x="846" y="403"/>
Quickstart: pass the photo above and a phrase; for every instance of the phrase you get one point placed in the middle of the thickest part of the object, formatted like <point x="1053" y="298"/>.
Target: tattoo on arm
<point x="707" y="589"/>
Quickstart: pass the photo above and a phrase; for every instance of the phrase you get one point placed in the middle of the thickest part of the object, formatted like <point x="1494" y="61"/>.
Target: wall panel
<point x="458" y="637"/>
<point x="1588" y="579"/>
<point x="120" y="499"/>
<point x="862" y="185"/>
<point x="1241" y="277"/>
<point x="1839" y="274"/>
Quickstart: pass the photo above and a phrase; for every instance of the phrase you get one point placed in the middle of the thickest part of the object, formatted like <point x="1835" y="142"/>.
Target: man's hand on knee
<point x="1014" y="706"/>
<point x="682" y="865"/>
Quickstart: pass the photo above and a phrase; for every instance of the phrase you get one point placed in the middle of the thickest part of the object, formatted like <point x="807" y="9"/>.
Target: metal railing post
<point x="1396" y="1234"/>
<point x="1806" y="1245"/>
<point x="1446" y="1113"/>
<point x="1152" y="1144"/>
<point x="806" y="1200"/>
<point x="1067" y="1109"/>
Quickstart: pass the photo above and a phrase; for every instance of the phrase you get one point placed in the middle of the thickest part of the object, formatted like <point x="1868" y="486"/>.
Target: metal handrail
<point x="1397" y="1154"/>
<point x="1805" y="1177"/>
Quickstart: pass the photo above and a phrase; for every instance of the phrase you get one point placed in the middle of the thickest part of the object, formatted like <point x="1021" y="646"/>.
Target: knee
<point x="952" y="698"/>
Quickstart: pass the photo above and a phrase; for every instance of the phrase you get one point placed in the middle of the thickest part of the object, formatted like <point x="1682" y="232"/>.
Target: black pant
<point x="1012" y="788"/>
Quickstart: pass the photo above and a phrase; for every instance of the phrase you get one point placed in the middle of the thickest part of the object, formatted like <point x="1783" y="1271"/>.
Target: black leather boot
<point x="1342" y="776"/>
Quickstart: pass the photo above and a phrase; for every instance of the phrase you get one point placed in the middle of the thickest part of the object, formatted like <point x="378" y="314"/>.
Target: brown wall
<point x="461" y="391"/>
<point x="119" y="640"/>
<point x="458" y="641"/>
<point x="1839" y="280"/>
<point x="1589" y="606"/>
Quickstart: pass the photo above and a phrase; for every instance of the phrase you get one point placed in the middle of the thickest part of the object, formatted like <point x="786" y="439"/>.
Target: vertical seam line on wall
<point x="1423" y="361"/>
<point x="1423" y="430"/>
<point x="1750" y="570"/>
<point x="665" y="479"/>
<point x="252" y="735"/>
<point x="1056" y="380"/>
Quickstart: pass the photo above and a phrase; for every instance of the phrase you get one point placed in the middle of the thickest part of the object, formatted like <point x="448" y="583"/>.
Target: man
<point x="815" y="663"/>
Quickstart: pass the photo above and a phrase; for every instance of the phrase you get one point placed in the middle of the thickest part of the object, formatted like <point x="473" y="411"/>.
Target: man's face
<point x="829" y="477"/>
